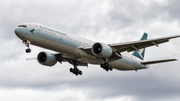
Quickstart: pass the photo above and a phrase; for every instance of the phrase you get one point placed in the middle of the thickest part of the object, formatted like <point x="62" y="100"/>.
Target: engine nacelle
<point x="101" y="50"/>
<point x="46" y="58"/>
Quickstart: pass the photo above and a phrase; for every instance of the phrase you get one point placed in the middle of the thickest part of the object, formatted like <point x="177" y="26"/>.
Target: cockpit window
<point x="22" y="26"/>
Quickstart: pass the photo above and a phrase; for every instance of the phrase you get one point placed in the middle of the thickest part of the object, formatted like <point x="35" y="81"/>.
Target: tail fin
<point x="141" y="52"/>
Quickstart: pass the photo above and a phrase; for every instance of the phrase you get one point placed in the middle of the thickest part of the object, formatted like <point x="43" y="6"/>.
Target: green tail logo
<point x="140" y="54"/>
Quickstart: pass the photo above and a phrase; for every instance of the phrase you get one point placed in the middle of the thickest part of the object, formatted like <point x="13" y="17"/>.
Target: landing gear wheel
<point x="106" y="66"/>
<point x="102" y="65"/>
<point x="28" y="50"/>
<point x="71" y="69"/>
<point x="76" y="73"/>
<point x="111" y="68"/>
<point x="80" y="72"/>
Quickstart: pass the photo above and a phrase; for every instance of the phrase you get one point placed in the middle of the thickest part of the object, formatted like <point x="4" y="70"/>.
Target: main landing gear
<point x="75" y="70"/>
<point x="28" y="50"/>
<point x="106" y="66"/>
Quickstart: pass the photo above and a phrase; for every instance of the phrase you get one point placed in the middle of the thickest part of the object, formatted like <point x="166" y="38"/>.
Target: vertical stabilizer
<point x="140" y="54"/>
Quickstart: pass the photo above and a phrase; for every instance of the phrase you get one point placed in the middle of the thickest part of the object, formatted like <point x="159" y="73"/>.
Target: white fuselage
<point x="70" y="45"/>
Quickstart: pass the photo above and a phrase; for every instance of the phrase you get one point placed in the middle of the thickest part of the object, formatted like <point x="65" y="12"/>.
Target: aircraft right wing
<point x="136" y="45"/>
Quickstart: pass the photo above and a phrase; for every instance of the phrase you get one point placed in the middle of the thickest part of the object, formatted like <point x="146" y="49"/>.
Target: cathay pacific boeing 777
<point x="81" y="52"/>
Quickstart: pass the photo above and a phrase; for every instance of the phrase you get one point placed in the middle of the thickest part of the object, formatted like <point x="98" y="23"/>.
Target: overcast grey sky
<point x="108" y="21"/>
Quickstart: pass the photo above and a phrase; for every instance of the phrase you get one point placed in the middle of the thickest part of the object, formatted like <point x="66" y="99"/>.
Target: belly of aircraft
<point x="121" y="66"/>
<point x="72" y="52"/>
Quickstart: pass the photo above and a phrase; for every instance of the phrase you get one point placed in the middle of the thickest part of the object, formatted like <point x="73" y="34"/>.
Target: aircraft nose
<point x="17" y="31"/>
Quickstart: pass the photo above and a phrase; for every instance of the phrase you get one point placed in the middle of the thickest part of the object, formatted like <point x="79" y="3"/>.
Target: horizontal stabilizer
<point x="157" y="61"/>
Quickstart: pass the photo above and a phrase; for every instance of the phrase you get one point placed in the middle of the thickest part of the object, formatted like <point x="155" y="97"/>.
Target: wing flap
<point x="157" y="61"/>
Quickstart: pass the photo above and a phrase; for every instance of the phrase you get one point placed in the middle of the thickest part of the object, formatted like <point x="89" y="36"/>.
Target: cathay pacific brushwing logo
<point x="32" y="31"/>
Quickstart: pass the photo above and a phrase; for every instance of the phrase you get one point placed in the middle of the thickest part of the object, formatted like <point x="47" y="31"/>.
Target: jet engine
<point x="46" y="58"/>
<point x="101" y="50"/>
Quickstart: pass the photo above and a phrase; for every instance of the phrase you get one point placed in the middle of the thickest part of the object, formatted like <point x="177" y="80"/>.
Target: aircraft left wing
<point x="136" y="45"/>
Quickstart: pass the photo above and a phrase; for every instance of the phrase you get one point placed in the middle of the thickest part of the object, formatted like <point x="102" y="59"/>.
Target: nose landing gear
<point x="28" y="50"/>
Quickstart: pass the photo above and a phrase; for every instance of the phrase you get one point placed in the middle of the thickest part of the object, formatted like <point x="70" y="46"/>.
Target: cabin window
<point x="22" y="26"/>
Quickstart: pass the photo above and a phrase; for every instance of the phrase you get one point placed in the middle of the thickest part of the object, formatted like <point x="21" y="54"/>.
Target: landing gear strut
<point x="75" y="70"/>
<point x="28" y="50"/>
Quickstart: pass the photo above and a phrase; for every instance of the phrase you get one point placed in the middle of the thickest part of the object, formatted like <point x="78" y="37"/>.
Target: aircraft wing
<point x="136" y="45"/>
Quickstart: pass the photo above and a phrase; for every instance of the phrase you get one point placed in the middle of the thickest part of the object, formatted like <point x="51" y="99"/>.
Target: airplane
<point x="81" y="52"/>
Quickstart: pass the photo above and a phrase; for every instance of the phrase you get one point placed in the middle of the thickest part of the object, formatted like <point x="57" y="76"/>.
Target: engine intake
<point x="101" y="50"/>
<point x="46" y="58"/>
